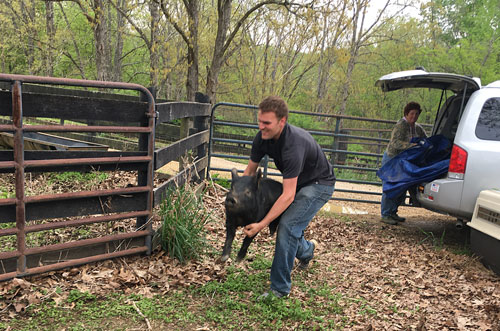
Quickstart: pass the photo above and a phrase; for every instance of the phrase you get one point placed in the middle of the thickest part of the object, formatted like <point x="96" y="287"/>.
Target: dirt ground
<point x="418" y="275"/>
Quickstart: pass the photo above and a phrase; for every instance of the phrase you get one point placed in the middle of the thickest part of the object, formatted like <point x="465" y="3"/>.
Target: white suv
<point x="468" y="115"/>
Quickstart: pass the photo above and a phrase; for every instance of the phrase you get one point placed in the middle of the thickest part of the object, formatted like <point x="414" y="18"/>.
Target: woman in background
<point x="403" y="132"/>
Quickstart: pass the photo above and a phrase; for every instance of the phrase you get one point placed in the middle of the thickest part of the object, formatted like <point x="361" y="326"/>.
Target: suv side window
<point x="488" y="124"/>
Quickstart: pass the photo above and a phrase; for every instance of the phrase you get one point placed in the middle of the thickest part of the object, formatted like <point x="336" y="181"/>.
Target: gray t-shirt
<point x="296" y="154"/>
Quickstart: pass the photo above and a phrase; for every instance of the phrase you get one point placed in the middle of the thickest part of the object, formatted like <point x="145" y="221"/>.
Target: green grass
<point x="437" y="242"/>
<point x="232" y="303"/>
<point x="183" y="218"/>
<point x="224" y="182"/>
<point x="356" y="175"/>
<point x="84" y="179"/>
<point x="5" y="194"/>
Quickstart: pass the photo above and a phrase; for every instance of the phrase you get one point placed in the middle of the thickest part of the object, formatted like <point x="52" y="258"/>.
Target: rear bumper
<point x="443" y="196"/>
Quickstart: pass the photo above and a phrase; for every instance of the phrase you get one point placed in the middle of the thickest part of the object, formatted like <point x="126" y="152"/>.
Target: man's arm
<point x="251" y="168"/>
<point x="285" y="200"/>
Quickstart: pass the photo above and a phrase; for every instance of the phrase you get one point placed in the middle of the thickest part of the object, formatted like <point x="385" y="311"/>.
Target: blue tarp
<point x="422" y="163"/>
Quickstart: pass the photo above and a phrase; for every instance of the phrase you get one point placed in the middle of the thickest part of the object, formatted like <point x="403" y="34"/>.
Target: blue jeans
<point x="290" y="242"/>
<point x="390" y="206"/>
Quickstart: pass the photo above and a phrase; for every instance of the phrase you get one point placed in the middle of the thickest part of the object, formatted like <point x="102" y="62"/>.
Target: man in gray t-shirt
<point x="308" y="183"/>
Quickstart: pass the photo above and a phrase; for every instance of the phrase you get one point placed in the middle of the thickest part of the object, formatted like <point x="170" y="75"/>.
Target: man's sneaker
<point x="272" y="293"/>
<point x="304" y="264"/>
<point x="397" y="218"/>
<point x="388" y="220"/>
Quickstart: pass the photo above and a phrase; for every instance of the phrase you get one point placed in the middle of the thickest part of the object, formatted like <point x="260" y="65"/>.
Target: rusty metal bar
<point x="73" y="82"/>
<point x="85" y="194"/>
<point x="8" y="232"/>
<point x="75" y="262"/>
<point x="7" y="128"/>
<point x="7" y="276"/>
<point x="87" y="161"/>
<point x="83" y="221"/>
<point x="150" y="172"/>
<point x="85" y="242"/>
<point x="84" y="128"/>
<point x="9" y="255"/>
<point x="6" y="202"/>
<point x="7" y="165"/>
<point x="17" y="118"/>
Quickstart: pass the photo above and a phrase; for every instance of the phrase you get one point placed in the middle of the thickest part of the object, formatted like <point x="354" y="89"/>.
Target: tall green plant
<point x="183" y="219"/>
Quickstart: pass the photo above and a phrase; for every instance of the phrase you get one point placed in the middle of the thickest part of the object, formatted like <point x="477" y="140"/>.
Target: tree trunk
<point x="277" y="53"/>
<point x="49" y="58"/>
<point x="224" y="16"/>
<point x="78" y="61"/>
<point x="28" y="13"/>
<point x="192" y="7"/>
<point x="154" y="54"/>
<point x="266" y="62"/>
<point x="101" y="37"/>
<point x="120" y="27"/>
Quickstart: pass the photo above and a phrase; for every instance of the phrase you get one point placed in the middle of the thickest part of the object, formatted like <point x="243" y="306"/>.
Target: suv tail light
<point x="458" y="161"/>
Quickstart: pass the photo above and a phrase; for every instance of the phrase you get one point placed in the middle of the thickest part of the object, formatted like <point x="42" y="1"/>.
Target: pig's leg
<point x="230" y="232"/>
<point x="273" y="226"/>
<point x="244" y="248"/>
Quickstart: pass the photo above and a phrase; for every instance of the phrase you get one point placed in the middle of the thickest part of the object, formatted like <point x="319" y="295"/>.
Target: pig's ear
<point x="258" y="176"/>
<point x="234" y="174"/>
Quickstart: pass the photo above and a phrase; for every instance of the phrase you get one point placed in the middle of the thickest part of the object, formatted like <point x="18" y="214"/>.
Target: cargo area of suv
<point x="468" y="116"/>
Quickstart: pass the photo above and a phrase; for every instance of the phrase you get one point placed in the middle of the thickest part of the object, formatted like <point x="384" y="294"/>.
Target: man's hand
<point x="252" y="229"/>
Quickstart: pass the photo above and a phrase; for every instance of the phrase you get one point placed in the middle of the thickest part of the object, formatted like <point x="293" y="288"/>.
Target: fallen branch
<point x="142" y="315"/>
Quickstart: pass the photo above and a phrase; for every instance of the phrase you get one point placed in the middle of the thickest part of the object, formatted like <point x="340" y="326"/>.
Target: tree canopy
<point x="319" y="55"/>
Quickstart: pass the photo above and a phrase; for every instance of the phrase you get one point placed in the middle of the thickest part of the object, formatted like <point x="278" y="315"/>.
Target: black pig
<point x="248" y="201"/>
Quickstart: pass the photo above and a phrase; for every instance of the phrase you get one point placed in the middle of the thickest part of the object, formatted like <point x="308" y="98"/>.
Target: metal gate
<point x="24" y="216"/>
<point x="353" y="145"/>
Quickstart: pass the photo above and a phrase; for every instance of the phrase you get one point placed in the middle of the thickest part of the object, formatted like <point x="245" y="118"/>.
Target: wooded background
<point x="321" y="56"/>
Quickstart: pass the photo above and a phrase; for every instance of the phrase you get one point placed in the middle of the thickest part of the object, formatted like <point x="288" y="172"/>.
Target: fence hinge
<point x="156" y="115"/>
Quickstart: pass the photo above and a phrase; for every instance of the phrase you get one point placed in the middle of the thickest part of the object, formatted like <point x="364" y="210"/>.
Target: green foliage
<point x="77" y="296"/>
<point x="224" y="182"/>
<point x="355" y="148"/>
<point x="307" y="122"/>
<point x="77" y="177"/>
<point x="437" y="242"/>
<point x="458" y="36"/>
<point x="5" y="194"/>
<point x="183" y="219"/>
<point x="83" y="180"/>
<point x="356" y="175"/>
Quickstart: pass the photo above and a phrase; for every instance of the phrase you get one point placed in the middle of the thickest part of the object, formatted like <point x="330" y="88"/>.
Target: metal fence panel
<point x="354" y="145"/>
<point x="24" y="216"/>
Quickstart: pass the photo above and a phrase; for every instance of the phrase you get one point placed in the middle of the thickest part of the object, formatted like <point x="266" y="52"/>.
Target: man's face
<point x="269" y="125"/>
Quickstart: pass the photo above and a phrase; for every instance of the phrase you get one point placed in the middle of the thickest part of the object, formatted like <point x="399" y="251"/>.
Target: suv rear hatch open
<point x="450" y="109"/>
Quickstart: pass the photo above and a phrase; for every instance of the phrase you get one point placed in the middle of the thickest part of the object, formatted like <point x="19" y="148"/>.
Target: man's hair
<point x="410" y="106"/>
<point x="274" y="104"/>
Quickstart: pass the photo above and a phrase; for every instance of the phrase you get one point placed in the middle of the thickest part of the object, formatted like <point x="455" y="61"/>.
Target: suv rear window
<point x="488" y="125"/>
